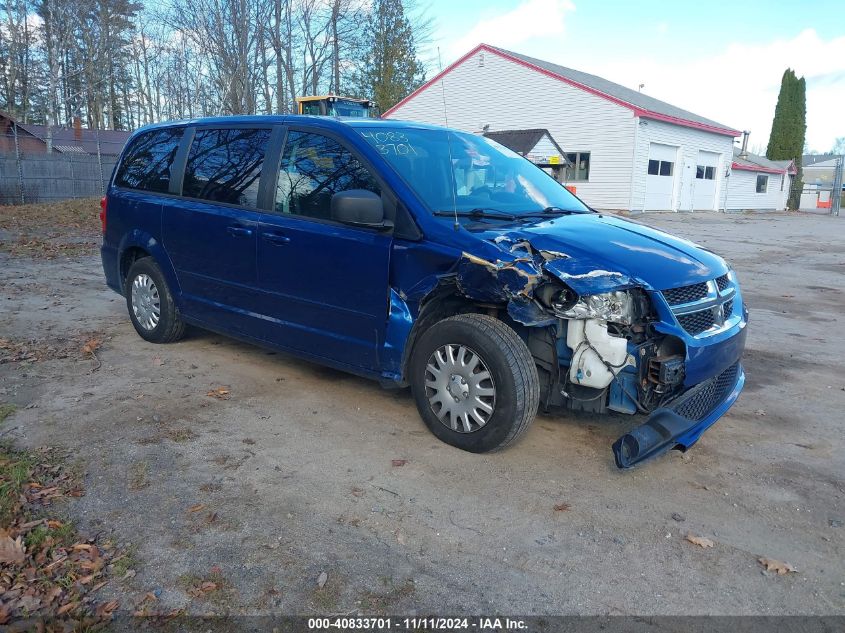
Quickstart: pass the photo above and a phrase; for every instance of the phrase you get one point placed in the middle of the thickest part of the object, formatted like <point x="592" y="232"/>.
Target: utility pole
<point x="836" y="192"/>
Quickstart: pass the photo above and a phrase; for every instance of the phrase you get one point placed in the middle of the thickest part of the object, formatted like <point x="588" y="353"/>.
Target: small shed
<point x="757" y="183"/>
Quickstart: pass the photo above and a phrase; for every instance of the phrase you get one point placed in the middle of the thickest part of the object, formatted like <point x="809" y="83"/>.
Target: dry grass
<point x="82" y="215"/>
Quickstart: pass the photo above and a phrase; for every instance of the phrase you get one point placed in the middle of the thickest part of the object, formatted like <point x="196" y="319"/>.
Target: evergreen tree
<point x="786" y="141"/>
<point x="391" y="69"/>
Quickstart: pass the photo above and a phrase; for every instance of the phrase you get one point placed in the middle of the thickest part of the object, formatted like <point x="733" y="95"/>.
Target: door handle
<point x="276" y="238"/>
<point x="239" y="231"/>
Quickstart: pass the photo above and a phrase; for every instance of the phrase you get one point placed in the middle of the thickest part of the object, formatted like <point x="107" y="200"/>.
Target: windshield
<point x="342" y="107"/>
<point x="465" y="172"/>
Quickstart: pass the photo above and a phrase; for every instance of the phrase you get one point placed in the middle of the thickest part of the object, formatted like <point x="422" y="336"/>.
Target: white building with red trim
<point x="757" y="183"/>
<point x="624" y="149"/>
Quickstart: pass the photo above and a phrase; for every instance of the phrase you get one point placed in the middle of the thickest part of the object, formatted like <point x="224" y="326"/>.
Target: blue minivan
<point x="423" y="256"/>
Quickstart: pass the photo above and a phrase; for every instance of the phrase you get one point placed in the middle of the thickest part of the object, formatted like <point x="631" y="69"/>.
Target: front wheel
<point x="150" y="302"/>
<point x="474" y="382"/>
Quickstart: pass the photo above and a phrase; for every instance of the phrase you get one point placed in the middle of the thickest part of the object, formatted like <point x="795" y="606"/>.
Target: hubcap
<point x="146" y="304"/>
<point x="459" y="388"/>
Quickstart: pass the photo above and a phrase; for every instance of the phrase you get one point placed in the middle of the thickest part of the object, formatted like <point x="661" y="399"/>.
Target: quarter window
<point x="660" y="167"/>
<point x="762" y="184"/>
<point x="580" y="167"/>
<point x="313" y="169"/>
<point x="224" y="165"/>
<point x="146" y="164"/>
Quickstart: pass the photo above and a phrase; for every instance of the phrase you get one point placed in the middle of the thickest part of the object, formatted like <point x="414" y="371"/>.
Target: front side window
<point x="313" y="169"/>
<point x="146" y="163"/>
<point x="224" y="165"/>
<point x="457" y="171"/>
<point x="579" y="167"/>
<point x="762" y="184"/>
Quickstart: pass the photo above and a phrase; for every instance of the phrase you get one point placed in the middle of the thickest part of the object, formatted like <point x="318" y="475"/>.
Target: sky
<point x="721" y="60"/>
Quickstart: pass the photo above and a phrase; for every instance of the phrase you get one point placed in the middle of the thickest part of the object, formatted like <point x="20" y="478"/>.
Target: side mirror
<point x="359" y="207"/>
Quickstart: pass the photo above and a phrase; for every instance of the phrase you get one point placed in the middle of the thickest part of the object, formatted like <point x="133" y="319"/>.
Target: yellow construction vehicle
<point x="333" y="105"/>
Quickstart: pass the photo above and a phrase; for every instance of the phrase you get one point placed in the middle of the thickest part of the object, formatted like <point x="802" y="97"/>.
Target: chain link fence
<point x="29" y="173"/>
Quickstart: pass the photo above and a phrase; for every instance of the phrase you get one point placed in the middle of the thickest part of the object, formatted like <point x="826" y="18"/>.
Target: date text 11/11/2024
<point x="417" y="624"/>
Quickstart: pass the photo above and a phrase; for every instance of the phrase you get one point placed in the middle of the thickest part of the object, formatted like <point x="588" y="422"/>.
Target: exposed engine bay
<point x="602" y="353"/>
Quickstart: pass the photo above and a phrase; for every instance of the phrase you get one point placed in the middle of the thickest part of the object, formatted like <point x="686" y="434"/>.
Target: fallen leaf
<point x="321" y="579"/>
<point x="67" y="607"/>
<point x="196" y="508"/>
<point x="12" y="551"/>
<point x="778" y="566"/>
<point x="562" y="507"/>
<point x="91" y="345"/>
<point x="357" y="492"/>
<point x="208" y="586"/>
<point x="699" y="540"/>
<point x="221" y="393"/>
<point x="157" y="361"/>
<point x="398" y="462"/>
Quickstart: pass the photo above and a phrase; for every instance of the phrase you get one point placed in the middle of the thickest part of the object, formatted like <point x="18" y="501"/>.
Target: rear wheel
<point x="150" y="303"/>
<point x="474" y="382"/>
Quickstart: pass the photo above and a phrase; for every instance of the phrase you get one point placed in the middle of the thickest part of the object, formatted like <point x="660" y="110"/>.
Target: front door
<point x="687" y="185"/>
<point x="326" y="284"/>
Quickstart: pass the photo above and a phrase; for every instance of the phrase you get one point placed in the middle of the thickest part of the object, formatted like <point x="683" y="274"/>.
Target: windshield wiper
<point x="478" y="212"/>
<point x="550" y="211"/>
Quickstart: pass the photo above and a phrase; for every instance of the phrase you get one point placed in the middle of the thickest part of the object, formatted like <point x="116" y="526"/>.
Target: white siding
<point x="543" y="149"/>
<point x="486" y="89"/>
<point x="742" y="192"/>
<point x="690" y="142"/>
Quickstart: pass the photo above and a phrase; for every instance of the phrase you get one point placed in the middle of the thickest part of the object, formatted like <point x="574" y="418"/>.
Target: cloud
<point x="739" y="85"/>
<point x="529" y="20"/>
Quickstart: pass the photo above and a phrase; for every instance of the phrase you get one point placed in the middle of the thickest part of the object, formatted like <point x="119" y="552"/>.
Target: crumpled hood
<point x="595" y="253"/>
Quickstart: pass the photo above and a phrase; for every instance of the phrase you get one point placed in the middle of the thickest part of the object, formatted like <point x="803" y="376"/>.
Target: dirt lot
<point x="288" y="472"/>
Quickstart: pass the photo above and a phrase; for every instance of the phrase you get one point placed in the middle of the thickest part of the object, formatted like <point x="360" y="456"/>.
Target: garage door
<point x="660" y="177"/>
<point x="704" y="198"/>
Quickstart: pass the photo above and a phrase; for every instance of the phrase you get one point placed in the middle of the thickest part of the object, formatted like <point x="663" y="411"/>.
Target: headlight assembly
<point x="615" y="307"/>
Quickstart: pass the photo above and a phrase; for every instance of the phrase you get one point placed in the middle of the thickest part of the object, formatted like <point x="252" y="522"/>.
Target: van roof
<point x="291" y="119"/>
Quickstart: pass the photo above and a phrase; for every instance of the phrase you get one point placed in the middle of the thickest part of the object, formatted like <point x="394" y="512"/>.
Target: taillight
<point x="103" y="214"/>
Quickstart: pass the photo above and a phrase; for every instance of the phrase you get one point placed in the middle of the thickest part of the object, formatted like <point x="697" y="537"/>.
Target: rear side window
<point x="146" y="163"/>
<point x="313" y="169"/>
<point x="225" y="165"/>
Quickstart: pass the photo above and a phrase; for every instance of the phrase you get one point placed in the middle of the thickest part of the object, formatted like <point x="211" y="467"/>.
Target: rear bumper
<point x="111" y="267"/>
<point x="680" y="424"/>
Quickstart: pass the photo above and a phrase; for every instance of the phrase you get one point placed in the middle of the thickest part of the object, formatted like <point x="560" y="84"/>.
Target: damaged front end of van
<point x="605" y="339"/>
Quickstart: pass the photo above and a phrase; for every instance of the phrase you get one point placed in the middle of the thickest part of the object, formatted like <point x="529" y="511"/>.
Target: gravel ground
<point x="291" y="473"/>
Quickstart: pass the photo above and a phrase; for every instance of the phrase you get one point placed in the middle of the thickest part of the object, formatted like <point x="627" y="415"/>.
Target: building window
<point x="762" y="184"/>
<point x="580" y="169"/>
<point x="660" y="167"/>
<point x="704" y="172"/>
<point x="782" y="180"/>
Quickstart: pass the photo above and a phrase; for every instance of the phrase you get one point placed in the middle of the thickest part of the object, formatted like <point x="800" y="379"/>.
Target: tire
<point x="164" y="327"/>
<point x="513" y="374"/>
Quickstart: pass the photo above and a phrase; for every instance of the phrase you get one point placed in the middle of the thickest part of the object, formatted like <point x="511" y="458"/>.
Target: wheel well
<point x="443" y="304"/>
<point x="129" y="257"/>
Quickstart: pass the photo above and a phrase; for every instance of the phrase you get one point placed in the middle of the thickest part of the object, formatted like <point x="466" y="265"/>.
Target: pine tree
<point x="391" y="69"/>
<point x="789" y="126"/>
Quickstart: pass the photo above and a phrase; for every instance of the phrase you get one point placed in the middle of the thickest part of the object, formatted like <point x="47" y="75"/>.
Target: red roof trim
<point x="765" y="170"/>
<point x="640" y="112"/>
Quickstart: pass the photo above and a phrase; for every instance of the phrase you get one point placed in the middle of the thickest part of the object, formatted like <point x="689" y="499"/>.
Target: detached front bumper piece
<point x="683" y="422"/>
